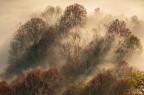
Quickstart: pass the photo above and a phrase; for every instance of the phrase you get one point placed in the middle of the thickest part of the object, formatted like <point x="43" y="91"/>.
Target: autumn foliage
<point x="119" y="27"/>
<point x="33" y="83"/>
<point x="74" y="15"/>
<point x="51" y="55"/>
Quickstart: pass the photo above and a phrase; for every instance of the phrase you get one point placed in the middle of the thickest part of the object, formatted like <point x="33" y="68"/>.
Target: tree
<point x="74" y="15"/>
<point x="52" y="15"/>
<point x="133" y="42"/>
<point x="4" y="88"/>
<point x="122" y="87"/>
<point x="98" y="49"/>
<point x="122" y="69"/>
<point x="31" y="32"/>
<point x="27" y="35"/>
<point x="118" y="27"/>
<point x="72" y="90"/>
<point x="50" y="11"/>
<point x="136" y="25"/>
<point x="37" y="82"/>
<point x="129" y="46"/>
<point x="136" y="79"/>
<point x="72" y="49"/>
<point x="101" y="84"/>
<point x="37" y="39"/>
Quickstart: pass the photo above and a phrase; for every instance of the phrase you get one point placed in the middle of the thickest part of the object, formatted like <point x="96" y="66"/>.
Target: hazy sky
<point x="12" y="12"/>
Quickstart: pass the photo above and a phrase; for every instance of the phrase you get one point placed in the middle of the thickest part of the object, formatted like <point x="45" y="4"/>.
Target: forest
<point x="68" y="52"/>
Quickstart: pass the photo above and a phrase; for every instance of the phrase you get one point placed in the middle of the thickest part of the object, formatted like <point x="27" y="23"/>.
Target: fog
<point x="13" y="13"/>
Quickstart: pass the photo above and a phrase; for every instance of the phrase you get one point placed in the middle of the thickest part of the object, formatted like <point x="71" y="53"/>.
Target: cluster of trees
<point x="118" y="41"/>
<point x="30" y="46"/>
<point x="118" y="81"/>
<point x="35" y="82"/>
<point x="51" y="82"/>
<point x="35" y="41"/>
